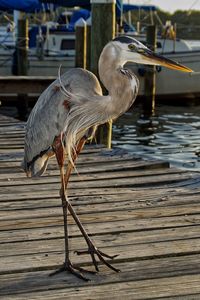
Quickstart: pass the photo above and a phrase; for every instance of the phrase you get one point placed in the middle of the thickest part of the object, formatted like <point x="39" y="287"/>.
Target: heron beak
<point x="157" y="59"/>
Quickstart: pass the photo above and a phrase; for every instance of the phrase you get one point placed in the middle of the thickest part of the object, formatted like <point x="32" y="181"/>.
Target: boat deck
<point x="144" y="211"/>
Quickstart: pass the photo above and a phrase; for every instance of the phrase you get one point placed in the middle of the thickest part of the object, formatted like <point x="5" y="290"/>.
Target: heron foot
<point x="75" y="270"/>
<point x="92" y="250"/>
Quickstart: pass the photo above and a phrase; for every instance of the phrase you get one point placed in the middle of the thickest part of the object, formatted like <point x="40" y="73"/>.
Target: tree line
<point x="187" y="22"/>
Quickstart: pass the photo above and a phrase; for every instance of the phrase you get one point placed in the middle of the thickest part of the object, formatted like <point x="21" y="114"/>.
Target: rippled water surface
<point x="172" y="134"/>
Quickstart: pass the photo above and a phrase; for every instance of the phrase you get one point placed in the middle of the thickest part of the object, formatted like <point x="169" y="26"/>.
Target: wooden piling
<point x="103" y="28"/>
<point x="22" y="61"/>
<point x="88" y="46"/>
<point x="22" y="47"/>
<point x="102" y="31"/>
<point x="80" y="44"/>
<point x="150" y="75"/>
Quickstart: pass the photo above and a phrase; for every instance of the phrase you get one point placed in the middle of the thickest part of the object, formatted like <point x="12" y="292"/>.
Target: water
<point x="172" y="134"/>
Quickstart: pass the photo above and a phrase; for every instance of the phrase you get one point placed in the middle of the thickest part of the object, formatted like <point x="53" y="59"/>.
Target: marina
<point x="58" y="48"/>
<point x="125" y="223"/>
<point x="179" y="85"/>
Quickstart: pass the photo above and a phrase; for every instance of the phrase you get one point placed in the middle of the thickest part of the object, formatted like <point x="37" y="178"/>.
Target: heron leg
<point x="75" y="154"/>
<point x="67" y="266"/>
<point x="92" y="249"/>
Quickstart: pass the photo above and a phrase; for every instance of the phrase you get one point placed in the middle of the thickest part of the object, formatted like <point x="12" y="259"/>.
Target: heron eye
<point x="132" y="47"/>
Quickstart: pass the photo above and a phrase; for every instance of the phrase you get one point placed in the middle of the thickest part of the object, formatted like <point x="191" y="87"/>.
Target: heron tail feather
<point x="38" y="166"/>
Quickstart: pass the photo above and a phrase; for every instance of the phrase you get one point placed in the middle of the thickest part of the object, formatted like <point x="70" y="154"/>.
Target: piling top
<point x="89" y="21"/>
<point x="80" y="23"/>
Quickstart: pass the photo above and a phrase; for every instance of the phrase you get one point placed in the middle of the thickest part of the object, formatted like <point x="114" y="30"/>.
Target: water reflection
<point x="172" y="134"/>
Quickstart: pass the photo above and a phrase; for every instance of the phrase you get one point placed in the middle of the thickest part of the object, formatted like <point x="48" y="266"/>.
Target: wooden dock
<point x="144" y="211"/>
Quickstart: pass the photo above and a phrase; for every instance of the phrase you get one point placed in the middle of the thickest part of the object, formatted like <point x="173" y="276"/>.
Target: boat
<point x="50" y="45"/>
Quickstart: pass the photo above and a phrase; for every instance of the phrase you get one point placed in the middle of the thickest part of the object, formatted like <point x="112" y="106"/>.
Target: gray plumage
<point x="74" y="102"/>
<point x="50" y="115"/>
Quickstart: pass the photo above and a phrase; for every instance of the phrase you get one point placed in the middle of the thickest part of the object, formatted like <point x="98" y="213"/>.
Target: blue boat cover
<point x="23" y="5"/>
<point x="36" y="5"/>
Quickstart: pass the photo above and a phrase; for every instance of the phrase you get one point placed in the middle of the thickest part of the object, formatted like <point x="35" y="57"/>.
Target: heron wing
<point x="48" y="117"/>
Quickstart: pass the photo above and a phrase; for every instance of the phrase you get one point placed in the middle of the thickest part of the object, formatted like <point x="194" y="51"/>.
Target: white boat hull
<point x="175" y="83"/>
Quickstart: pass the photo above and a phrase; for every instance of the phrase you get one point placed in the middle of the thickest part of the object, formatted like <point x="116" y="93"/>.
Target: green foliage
<point x="187" y="22"/>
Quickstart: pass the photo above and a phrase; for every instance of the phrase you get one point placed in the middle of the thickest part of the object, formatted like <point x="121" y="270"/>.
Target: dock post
<point x="150" y="75"/>
<point x="102" y="31"/>
<point x="88" y="38"/>
<point x="22" y="61"/>
<point x="80" y="44"/>
<point x="22" y="47"/>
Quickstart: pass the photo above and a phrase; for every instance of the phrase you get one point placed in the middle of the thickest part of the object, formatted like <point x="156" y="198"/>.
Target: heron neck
<point x="121" y="85"/>
<point x="109" y="66"/>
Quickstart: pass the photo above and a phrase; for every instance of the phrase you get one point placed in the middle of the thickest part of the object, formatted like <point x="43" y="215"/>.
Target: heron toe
<point x="92" y="250"/>
<point x="73" y="269"/>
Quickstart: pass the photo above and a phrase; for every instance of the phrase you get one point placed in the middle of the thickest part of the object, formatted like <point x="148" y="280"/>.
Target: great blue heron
<point x="62" y="119"/>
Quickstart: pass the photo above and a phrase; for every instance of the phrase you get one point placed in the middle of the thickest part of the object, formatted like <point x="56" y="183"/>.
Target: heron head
<point x="132" y="50"/>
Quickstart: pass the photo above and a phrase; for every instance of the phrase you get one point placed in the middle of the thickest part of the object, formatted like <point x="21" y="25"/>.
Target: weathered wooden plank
<point x="114" y="200"/>
<point x="191" y="296"/>
<point x="106" y="212"/>
<point x="25" y="227"/>
<point x="116" y="225"/>
<point x="104" y="239"/>
<point x="25" y="84"/>
<point x="11" y="123"/>
<point x="12" y="128"/>
<point x="159" y="193"/>
<point x="7" y="138"/>
<point x="96" y="160"/>
<point x="11" y="143"/>
<point x="18" y="283"/>
<point x="83" y="173"/>
<point x="84" y="159"/>
<point x="76" y="192"/>
<point x="51" y="258"/>
<point x="7" y="119"/>
<point x="126" y="174"/>
<point x="13" y="157"/>
<point x="113" y="221"/>
<point x="86" y="192"/>
<point x="135" y="290"/>
<point x="94" y="150"/>
<point x="117" y="182"/>
<point x="135" y="200"/>
<point x="12" y="134"/>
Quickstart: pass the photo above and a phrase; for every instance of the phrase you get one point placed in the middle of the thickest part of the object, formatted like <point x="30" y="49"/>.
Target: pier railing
<point x="24" y="84"/>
